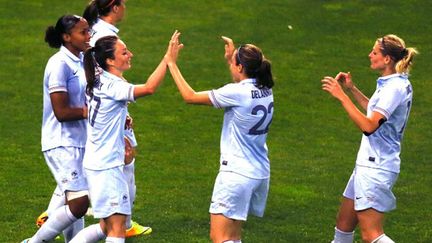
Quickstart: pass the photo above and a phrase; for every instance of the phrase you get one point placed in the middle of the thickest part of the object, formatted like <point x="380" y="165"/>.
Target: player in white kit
<point x="368" y="194"/>
<point x="242" y="184"/>
<point x="108" y="96"/>
<point x="64" y="126"/>
<point x="103" y="15"/>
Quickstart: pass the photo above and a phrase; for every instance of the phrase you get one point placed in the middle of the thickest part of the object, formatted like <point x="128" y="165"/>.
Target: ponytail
<point x="97" y="8"/>
<point x="95" y="60"/>
<point x="394" y="47"/>
<point x="264" y="75"/>
<point x="64" y="25"/>
<point x="404" y="65"/>
<point x="53" y="38"/>
<point x="91" y="13"/>
<point x="90" y="70"/>
<point x="255" y="65"/>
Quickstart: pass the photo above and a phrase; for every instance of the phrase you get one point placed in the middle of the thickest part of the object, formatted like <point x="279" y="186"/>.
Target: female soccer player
<point x="108" y="95"/>
<point x="368" y="194"/>
<point x="64" y="124"/>
<point x="103" y="16"/>
<point x="242" y="184"/>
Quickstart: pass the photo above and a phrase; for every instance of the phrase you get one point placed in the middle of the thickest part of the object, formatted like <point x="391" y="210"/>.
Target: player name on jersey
<point x="260" y="93"/>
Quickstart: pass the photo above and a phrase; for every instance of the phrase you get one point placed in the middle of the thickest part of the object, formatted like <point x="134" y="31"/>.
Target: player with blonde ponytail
<point x="368" y="194"/>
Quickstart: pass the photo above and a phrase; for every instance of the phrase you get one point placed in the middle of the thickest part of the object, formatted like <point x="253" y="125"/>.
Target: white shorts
<point x="66" y="165"/>
<point x="371" y="188"/>
<point x="235" y="196"/>
<point x="108" y="192"/>
<point x="129" y="134"/>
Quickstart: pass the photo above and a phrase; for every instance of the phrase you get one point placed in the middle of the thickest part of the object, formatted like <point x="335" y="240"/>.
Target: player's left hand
<point x="174" y="47"/>
<point x="229" y="48"/>
<point x="332" y="86"/>
<point x="129" y="122"/>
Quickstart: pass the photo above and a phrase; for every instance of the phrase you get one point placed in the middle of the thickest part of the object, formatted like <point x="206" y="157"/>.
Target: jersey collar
<point x="384" y="79"/>
<point x="112" y="76"/>
<point x="248" y="80"/>
<point x="70" y="55"/>
<point x="107" y="25"/>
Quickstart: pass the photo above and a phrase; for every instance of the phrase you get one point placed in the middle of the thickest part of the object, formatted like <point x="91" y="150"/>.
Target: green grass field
<point x="312" y="142"/>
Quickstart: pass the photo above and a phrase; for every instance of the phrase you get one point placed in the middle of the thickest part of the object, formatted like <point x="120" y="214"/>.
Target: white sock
<point x="57" y="200"/>
<point x="343" y="237"/>
<point x="114" y="240"/>
<point x="60" y="219"/>
<point x="70" y="232"/>
<point x="232" y="241"/>
<point x="129" y="171"/>
<point x="383" y="239"/>
<point x="91" y="233"/>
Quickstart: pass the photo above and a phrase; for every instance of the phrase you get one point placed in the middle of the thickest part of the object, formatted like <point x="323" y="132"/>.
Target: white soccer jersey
<point x="247" y="117"/>
<point x="101" y="29"/>
<point x="105" y="147"/>
<point x="392" y="98"/>
<point x="64" y="73"/>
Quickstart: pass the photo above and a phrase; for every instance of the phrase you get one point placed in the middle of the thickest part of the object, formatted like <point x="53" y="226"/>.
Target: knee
<point x="79" y="206"/>
<point x="346" y="225"/>
<point x="371" y="237"/>
<point x="216" y="237"/>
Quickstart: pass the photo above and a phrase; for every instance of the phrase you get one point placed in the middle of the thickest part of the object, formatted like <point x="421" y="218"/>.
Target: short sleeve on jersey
<point x="225" y="96"/>
<point x="120" y="90"/>
<point x="58" y="77"/>
<point x="390" y="98"/>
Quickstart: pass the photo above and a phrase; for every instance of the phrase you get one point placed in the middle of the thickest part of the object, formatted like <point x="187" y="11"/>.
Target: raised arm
<point x="229" y="49"/>
<point x="188" y="93"/>
<point x="346" y="81"/>
<point x="366" y="124"/>
<point x="153" y="81"/>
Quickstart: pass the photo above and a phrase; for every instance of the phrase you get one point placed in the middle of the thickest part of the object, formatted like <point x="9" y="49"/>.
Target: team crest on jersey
<point x="74" y="175"/>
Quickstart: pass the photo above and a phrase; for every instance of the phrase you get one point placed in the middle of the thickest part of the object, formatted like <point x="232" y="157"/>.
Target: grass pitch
<point x="312" y="143"/>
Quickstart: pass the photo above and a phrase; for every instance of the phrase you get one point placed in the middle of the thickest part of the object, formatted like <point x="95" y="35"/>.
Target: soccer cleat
<point x="41" y="219"/>
<point x="137" y="229"/>
<point x="26" y="240"/>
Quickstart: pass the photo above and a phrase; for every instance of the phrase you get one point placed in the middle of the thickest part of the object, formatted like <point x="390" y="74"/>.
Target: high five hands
<point x="174" y="48"/>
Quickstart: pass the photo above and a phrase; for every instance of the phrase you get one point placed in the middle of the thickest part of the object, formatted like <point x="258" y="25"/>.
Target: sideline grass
<point x="312" y="143"/>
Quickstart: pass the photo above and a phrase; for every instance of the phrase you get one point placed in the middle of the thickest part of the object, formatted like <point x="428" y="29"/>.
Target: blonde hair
<point x="394" y="46"/>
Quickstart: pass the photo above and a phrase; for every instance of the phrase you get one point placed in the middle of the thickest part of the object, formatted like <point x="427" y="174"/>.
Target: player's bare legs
<point x="347" y="218"/>
<point x="223" y="228"/>
<point x="371" y="224"/>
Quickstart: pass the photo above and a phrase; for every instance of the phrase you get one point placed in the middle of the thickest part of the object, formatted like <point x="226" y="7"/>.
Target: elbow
<point x="60" y="117"/>
<point x="372" y="128"/>
<point x="188" y="101"/>
<point x="151" y="91"/>
<point x="368" y="133"/>
<point x="189" y="98"/>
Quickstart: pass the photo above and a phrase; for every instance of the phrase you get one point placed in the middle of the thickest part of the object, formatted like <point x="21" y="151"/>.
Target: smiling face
<point x="122" y="59"/>
<point x="77" y="40"/>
